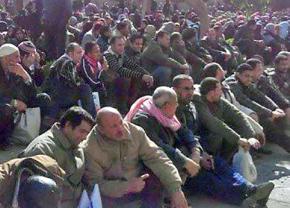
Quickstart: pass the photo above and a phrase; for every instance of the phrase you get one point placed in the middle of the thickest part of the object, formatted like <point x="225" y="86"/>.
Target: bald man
<point x="121" y="159"/>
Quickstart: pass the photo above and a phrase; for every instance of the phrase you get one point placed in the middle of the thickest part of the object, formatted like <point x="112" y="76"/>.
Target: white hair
<point x="163" y="95"/>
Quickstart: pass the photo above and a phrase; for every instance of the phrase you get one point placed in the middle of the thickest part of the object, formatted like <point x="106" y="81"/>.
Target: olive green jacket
<point x="56" y="145"/>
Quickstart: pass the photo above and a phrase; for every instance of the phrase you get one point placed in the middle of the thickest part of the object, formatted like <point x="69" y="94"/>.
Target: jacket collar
<point x="59" y="135"/>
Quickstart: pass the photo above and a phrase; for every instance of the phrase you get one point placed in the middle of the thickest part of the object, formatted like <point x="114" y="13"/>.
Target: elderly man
<point x="61" y="143"/>
<point x="156" y="115"/>
<point x="117" y="153"/>
<point x="15" y="90"/>
<point x="216" y="178"/>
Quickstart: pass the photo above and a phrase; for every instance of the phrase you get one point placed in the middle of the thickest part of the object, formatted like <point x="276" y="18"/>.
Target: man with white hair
<point x="12" y="84"/>
<point x="127" y="165"/>
<point x="156" y="115"/>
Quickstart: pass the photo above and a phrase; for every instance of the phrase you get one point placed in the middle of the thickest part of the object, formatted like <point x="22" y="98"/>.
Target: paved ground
<point x="275" y="168"/>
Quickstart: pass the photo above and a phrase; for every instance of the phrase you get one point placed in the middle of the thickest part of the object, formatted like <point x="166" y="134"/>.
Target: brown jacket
<point x="40" y="165"/>
<point x="111" y="163"/>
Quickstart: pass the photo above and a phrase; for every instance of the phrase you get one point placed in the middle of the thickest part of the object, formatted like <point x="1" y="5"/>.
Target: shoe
<point x="264" y="151"/>
<point x="261" y="194"/>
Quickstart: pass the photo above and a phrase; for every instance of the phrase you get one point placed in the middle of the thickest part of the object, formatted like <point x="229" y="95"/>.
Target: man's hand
<point x="207" y="161"/>
<point x="178" y="200"/>
<point x="136" y="185"/>
<point x="20" y="71"/>
<point x="254" y="143"/>
<point x="192" y="167"/>
<point x="278" y="113"/>
<point x="148" y="79"/>
<point x="244" y="143"/>
<point x="195" y="155"/>
<point x="20" y="106"/>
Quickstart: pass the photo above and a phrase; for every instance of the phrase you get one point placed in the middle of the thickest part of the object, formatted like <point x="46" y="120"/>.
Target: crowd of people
<point x="174" y="104"/>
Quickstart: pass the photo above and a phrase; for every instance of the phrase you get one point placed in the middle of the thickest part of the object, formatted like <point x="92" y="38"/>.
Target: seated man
<point x="156" y="115"/>
<point x="269" y="113"/>
<point x="121" y="70"/>
<point x="17" y="92"/>
<point x="223" y="127"/>
<point x="281" y="76"/>
<point x="61" y="142"/>
<point x="158" y="59"/>
<point x="127" y="165"/>
<point x="14" y="172"/>
<point x="65" y="86"/>
<point x="133" y="50"/>
<point x="91" y="68"/>
<point x="211" y="179"/>
<point x="216" y="71"/>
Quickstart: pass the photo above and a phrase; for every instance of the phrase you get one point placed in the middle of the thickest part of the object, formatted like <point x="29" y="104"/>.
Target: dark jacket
<point x="253" y="98"/>
<point x="264" y="85"/>
<point x="222" y="119"/>
<point x="86" y="71"/>
<point x="164" y="137"/>
<point x="155" y="56"/>
<point x="13" y="86"/>
<point x="282" y="82"/>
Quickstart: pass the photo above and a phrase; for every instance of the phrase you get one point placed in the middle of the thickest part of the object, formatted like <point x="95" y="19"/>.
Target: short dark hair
<point x="89" y="46"/>
<point x="135" y="37"/>
<point x="104" y="29"/>
<point x="71" y="47"/>
<point x="161" y="34"/>
<point x="114" y="39"/>
<point x="179" y="78"/>
<point x="244" y="67"/>
<point x="208" y="84"/>
<point x="121" y="25"/>
<point x="210" y="70"/>
<point x="253" y="62"/>
<point x="280" y="58"/>
<point x="75" y="115"/>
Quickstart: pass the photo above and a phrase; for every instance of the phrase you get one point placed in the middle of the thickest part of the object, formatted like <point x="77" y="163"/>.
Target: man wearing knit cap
<point x="30" y="59"/>
<point x="12" y="77"/>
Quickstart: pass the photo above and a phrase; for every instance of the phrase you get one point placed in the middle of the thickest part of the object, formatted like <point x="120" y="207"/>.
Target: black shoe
<point x="264" y="151"/>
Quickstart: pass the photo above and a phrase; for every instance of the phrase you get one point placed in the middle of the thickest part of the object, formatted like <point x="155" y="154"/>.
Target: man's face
<point x="137" y="45"/>
<point x="119" y="46"/>
<point x="164" y="41"/>
<point x="169" y="108"/>
<point x="125" y="31"/>
<point x="78" y="134"/>
<point x="216" y="93"/>
<point x="30" y="58"/>
<point x="112" y="126"/>
<point x="283" y="66"/>
<point x="257" y="72"/>
<point x="185" y="91"/>
<point x="13" y="59"/>
<point x="77" y="55"/>
<point x="179" y="42"/>
<point x="246" y="77"/>
<point x="96" y="53"/>
<point x="220" y="74"/>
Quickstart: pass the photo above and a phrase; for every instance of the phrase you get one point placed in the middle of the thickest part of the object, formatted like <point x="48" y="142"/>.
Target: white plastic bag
<point x="93" y="202"/>
<point x="28" y="126"/>
<point x="244" y="164"/>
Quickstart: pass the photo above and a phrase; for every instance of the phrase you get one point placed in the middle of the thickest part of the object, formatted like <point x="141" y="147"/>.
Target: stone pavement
<point x="275" y="167"/>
